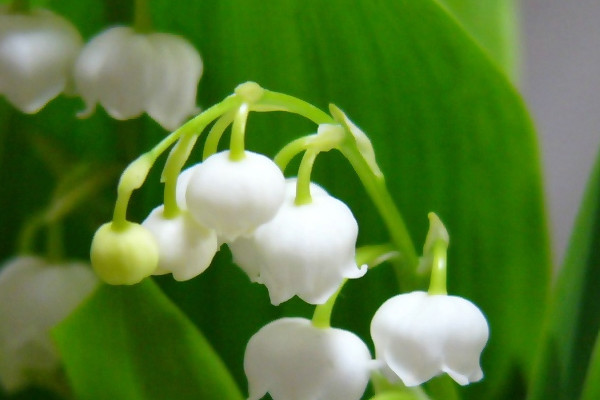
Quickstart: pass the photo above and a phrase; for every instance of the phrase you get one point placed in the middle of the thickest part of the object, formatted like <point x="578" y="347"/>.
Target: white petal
<point x="37" y="52"/>
<point x="35" y="296"/>
<point x="235" y="197"/>
<point x="291" y="359"/>
<point x="185" y="248"/>
<point x="116" y="69"/>
<point x="178" y="68"/>
<point x="420" y="336"/>
<point x="308" y="250"/>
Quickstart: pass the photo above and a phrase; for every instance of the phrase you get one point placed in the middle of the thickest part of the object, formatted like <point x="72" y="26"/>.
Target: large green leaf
<point x="574" y="317"/>
<point x="495" y="25"/>
<point x="132" y="343"/>
<point x="450" y="133"/>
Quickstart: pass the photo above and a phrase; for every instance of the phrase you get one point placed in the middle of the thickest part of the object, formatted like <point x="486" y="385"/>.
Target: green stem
<point x="211" y="145"/>
<point x="238" y="133"/>
<point x="19" y="7"/>
<point x="322" y="315"/>
<point x="303" y="183"/>
<point x="134" y="175"/>
<point x="26" y="241"/>
<point x="273" y="101"/>
<point x="377" y="190"/>
<point x="289" y="151"/>
<point x="437" y="284"/>
<point x="177" y="158"/>
<point x="54" y="242"/>
<point x="142" y="21"/>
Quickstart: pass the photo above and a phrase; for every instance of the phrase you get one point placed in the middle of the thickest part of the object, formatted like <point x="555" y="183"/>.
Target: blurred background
<point x="561" y="83"/>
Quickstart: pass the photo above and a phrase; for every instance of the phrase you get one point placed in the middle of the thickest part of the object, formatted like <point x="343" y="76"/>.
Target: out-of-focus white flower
<point x="418" y="336"/>
<point x="235" y="197"/>
<point x="34" y="297"/>
<point x="129" y="73"/>
<point x="294" y="360"/>
<point x="37" y="53"/>
<point x="185" y="248"/>
<point x="305" y="250"/>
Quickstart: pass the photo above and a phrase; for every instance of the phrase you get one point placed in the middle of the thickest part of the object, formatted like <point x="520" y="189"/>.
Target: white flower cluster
<point x="127" y="72"/>
<point x="304" y="250"/>
<point x="34" y="297"/>
<point x="417" y="336"/>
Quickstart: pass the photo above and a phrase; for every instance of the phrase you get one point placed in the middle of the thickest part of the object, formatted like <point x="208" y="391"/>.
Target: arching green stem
<point x="178" y="156"/>
<point x="238" y="133"/>
<point x="216" y="132"/>
<point x="377" y="190"/>
<point x="273" y="101"/>
<point x="135" y="174"/>
<point x="142" y="21"/>
<point x="303" y="182"/>
<point x="290" y="150"/>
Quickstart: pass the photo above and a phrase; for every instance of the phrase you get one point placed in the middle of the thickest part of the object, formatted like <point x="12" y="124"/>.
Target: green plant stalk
<point x="142" y="21"/>
<point x="178" y="156"/>
<point x="134" y="175"/>
<point x="303" y="183"/>
<point x="437" y="285"/>
<point x="238" y="133"/>
<point x="216" y="132"/>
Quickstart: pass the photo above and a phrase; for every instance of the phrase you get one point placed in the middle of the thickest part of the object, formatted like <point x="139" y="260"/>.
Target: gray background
<point x="561" y="83"/>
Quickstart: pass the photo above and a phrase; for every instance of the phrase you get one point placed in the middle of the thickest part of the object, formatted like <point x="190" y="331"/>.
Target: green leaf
<point x="591" y="387"/>
<point x="574" y="317"/>
<point x="131" y="342"/>
<point x="495" y="26"/>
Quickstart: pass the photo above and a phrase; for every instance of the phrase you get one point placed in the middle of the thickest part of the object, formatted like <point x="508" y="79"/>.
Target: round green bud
<point x="124" y="256"/>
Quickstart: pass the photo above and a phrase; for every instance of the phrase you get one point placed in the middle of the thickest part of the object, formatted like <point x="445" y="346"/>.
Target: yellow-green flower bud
<point x="124" y="256"/>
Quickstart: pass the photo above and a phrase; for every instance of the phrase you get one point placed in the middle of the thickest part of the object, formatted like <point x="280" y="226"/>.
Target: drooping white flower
<point x="129" y="73"/>
<point x="418" y="336"/>
<point x="305" y="250"/>
<point x="34" y="297"/>
<point x="235" y="197"/>
<point x="37" y="53"/>
<point x="185" y="248"/>
<point x="293" y="360"/>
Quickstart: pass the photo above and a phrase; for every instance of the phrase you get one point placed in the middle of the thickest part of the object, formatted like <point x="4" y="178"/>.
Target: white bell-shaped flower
<point x="34" y="297"/>
<point x="37" y="53"/>
<point x="129" y="73"/>
<point x="293" y="360"/>
<point x="235" y="197"/>
<point x="185" y="248"/>
<point x="305" y="250"/>
<point x="418" y="336"/>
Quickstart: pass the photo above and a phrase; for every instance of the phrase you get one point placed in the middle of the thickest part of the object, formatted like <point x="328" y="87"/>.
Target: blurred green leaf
<point x="132" y="343"/>
<point x="495" y="26"/>
<point x="574" y="317"/>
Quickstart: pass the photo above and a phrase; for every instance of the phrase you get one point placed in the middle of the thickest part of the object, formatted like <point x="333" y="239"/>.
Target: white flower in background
<point x="34" y="297"/>
<point x="305" y="250"/>
<point x="129" y="73"/>
<point x="37" y="53"/>
<point x="185" y="248"/>
<point x="294" y="360"/>
<point x="235" y="197"/>
<point x="418" y="336"/>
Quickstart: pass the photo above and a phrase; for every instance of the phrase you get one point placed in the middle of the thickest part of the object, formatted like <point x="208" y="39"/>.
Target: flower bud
<point x="124" y="256"/>
<point x="235" y="197"/>
<point x="291" y="359"/>
<point x="185" y="248"/>
<point x="34" y="297"/>
<point x="418" y="336"/>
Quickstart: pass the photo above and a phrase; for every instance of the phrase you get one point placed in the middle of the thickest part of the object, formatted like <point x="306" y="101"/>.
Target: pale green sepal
<point x="365" y="147"/>
<point x="437" y="231"/>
